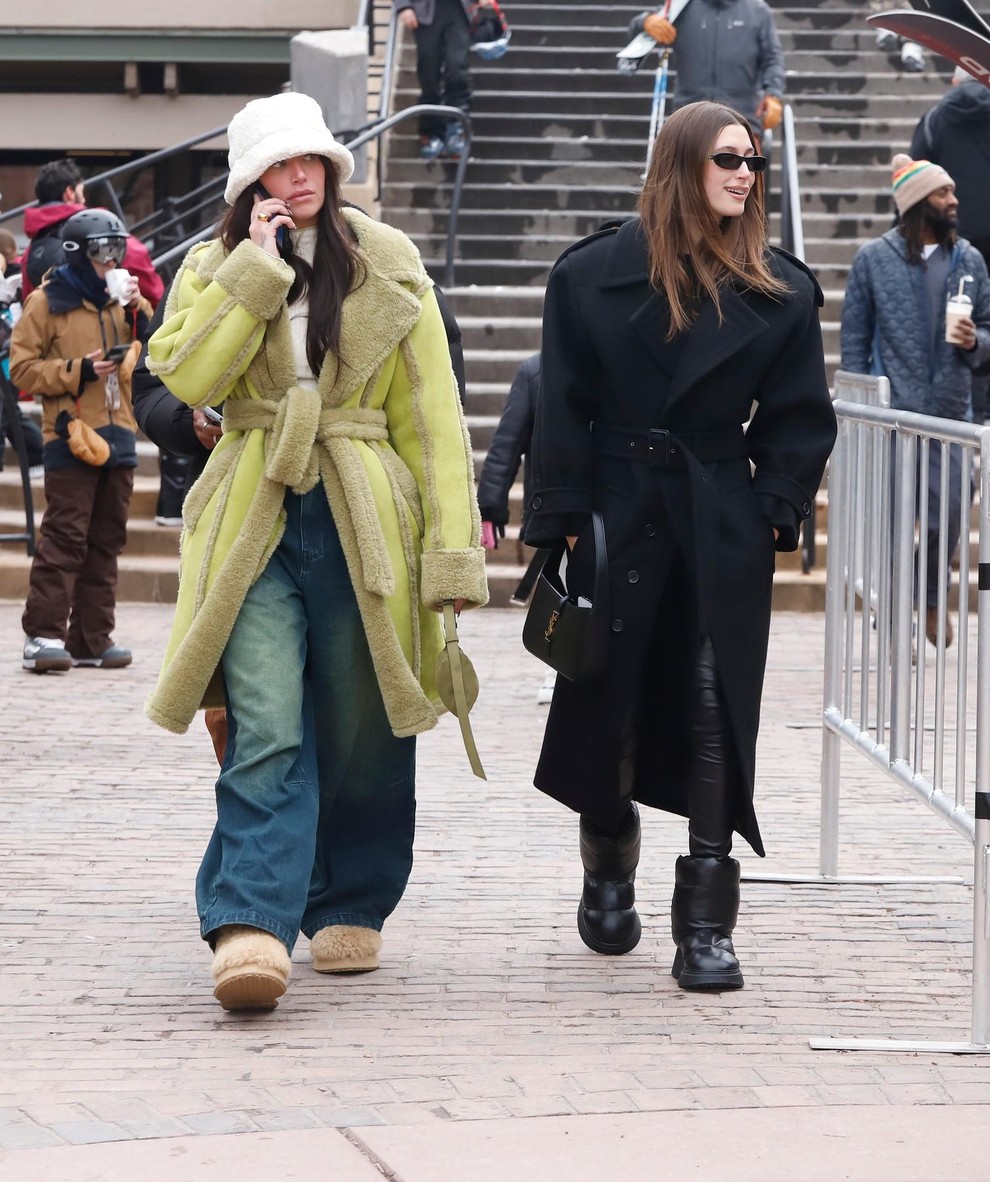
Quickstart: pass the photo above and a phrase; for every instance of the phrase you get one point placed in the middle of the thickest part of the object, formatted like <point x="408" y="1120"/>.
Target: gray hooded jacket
<point x="726" y="50"/>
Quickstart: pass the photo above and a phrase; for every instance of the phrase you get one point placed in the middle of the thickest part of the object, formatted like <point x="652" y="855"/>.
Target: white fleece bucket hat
<point x="277" y="128"/>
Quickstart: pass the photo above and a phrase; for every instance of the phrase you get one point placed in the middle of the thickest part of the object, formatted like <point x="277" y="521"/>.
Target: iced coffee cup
<point x="959" y="307"/>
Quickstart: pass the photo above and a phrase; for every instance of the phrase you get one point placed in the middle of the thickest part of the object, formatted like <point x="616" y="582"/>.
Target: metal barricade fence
<point x="900" y="492"/>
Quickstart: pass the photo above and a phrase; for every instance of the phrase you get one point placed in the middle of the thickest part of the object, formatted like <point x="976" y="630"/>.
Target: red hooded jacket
<point x="137" y="260"/>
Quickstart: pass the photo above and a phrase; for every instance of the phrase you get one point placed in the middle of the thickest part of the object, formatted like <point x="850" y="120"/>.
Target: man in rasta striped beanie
<point x="894" y="323"/>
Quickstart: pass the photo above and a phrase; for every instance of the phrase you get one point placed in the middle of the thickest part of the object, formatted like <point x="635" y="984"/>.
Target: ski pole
<point x="659" y="111"/>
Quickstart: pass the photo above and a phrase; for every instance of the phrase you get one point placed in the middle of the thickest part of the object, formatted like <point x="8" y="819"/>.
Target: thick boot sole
<point x="711" y="981"/>
<point x="597" y="945"/>
<point x="249" y="989"/>
<point x="350" y="964"/>
<point x="40" y="665"/>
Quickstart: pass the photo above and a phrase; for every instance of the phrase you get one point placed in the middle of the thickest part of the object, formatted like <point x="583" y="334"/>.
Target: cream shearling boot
<point x="344" y="949"/>
<point x="250" y="968"/>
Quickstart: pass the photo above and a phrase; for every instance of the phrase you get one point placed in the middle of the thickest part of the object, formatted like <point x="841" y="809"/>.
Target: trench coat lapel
<point x="709" y="345"/>
<point x="626" y="266"/>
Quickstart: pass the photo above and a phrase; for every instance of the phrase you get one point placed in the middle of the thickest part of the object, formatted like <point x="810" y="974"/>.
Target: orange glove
<point x="770" y="111"/>
<point x="660" y="29"/>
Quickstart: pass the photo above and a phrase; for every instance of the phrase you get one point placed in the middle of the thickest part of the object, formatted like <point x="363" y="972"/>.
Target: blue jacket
<point x="885" y="327"/>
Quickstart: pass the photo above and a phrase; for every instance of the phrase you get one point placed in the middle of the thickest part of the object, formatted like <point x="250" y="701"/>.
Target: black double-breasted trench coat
<point x="689" y="530"/>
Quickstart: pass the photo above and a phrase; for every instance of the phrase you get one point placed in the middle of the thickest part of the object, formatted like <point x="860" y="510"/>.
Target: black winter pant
<point x="955" y="518"/>
<point x="72" y="595"/>
<point x="442" y="64"/>
<point x="710" y="782"/>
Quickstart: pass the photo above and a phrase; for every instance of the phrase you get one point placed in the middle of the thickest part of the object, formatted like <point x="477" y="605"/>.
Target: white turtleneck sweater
<point x="304" y="245"/>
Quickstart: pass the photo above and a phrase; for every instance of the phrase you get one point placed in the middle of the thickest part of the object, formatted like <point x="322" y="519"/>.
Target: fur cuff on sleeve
<point x="257" y="281"/>
<point x="454" y="574"/>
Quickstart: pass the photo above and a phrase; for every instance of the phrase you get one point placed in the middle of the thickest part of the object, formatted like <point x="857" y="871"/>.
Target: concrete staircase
<point x="149" y="566"/>
<point x="559" y="142"/>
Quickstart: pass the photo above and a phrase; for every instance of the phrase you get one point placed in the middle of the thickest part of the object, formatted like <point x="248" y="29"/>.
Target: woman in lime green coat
<point x="333" y="520"/>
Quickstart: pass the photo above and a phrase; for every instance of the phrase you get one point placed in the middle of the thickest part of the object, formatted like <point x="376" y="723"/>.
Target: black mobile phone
<point x="282" y="233"/>
<point x="116" y="353"/>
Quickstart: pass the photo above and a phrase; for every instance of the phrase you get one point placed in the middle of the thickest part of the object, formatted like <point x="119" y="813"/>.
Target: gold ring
<point x="263" y="217"/>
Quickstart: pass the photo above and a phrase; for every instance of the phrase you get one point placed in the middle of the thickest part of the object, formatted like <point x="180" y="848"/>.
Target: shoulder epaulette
<point x="802" y="266"/>
<point x="609" y="228"/>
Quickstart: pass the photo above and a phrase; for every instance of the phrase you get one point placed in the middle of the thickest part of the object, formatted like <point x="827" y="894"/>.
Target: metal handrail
<point x="366" y="17"/>
<point x="792" y="225"/>
<point x="165" y="217"/>
<point x="130" y="166"/>
<point x="388" y="65"/>
<point x="450" y="113"/>
<point x="9" y="406"/>
<point x="792" y="239"/>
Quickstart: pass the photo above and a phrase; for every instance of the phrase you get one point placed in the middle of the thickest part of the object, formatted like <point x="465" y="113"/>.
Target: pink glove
<point x="488" y="538"/>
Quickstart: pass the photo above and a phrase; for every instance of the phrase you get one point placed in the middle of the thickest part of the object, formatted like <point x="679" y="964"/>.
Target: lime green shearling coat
<point x="383" y="432"/>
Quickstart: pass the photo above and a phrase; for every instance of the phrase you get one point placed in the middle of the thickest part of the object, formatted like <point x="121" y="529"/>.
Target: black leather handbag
<point x="570" y="636"/>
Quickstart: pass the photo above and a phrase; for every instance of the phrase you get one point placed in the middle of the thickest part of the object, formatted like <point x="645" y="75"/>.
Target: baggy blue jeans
<point x="316" y="796"/>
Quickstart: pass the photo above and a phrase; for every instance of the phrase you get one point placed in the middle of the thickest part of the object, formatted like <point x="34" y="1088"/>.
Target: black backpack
<point x="44" y="253"/>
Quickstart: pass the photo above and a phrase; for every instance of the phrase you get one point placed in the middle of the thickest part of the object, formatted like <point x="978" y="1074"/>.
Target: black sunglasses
<point x="732" y="160"/>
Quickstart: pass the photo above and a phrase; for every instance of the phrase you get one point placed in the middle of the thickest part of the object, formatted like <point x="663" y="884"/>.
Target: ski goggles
<point x="731" y="161"/>
<point x="103" y="250"/>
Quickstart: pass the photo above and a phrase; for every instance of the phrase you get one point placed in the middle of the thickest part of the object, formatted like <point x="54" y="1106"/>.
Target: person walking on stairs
<point x="442" y="30"/>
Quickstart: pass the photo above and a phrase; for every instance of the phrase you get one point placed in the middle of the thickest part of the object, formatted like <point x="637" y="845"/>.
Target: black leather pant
<point x="710" y="795"/>
<point x="710" y="803"/>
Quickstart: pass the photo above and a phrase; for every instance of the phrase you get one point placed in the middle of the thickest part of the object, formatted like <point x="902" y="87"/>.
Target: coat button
<point x="806" y="509"/>
<point x="650" y="530"/>
<point x="537" y="502"/>
<point x="616" y="625"/>
<point x="633" y="576"/>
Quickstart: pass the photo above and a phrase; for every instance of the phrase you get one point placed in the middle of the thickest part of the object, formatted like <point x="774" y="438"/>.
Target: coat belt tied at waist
<point x="665" y="449"/>
<point x="299" y="428"/>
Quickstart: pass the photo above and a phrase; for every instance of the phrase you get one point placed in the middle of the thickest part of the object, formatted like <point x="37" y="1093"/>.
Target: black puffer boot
<point x="607" y="918"/>
<point x="702" y="916"/>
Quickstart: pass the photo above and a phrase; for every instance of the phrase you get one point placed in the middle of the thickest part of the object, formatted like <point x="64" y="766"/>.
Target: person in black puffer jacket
<point x="955" y="133"/>
<point x="510" y="443"/>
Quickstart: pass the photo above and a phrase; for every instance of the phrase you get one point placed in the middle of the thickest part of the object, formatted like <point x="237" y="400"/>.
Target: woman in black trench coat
<point x="658" y="339"/>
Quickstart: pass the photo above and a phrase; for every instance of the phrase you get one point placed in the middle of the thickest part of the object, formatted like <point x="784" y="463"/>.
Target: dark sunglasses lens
<point x="730" y="160"/>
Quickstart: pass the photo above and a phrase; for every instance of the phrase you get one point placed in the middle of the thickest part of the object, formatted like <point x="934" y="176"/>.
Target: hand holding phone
<point x="207" y="426"/>
<point x="116" y="353"/>
<point x="270" y="221"/>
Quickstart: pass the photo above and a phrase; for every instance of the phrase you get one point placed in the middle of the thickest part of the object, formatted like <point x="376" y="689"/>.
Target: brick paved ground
<point x="487" y="1004"/>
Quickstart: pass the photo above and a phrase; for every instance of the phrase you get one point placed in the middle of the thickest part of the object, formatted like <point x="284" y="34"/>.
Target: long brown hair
<point x="692" y="251"/>
<point x="336" y="269"/>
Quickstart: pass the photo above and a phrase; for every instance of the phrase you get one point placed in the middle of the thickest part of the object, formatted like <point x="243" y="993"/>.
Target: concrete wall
<point x="332" y="67"/>
<point x="111" y="122"/>
<point x="290" y="15"/>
